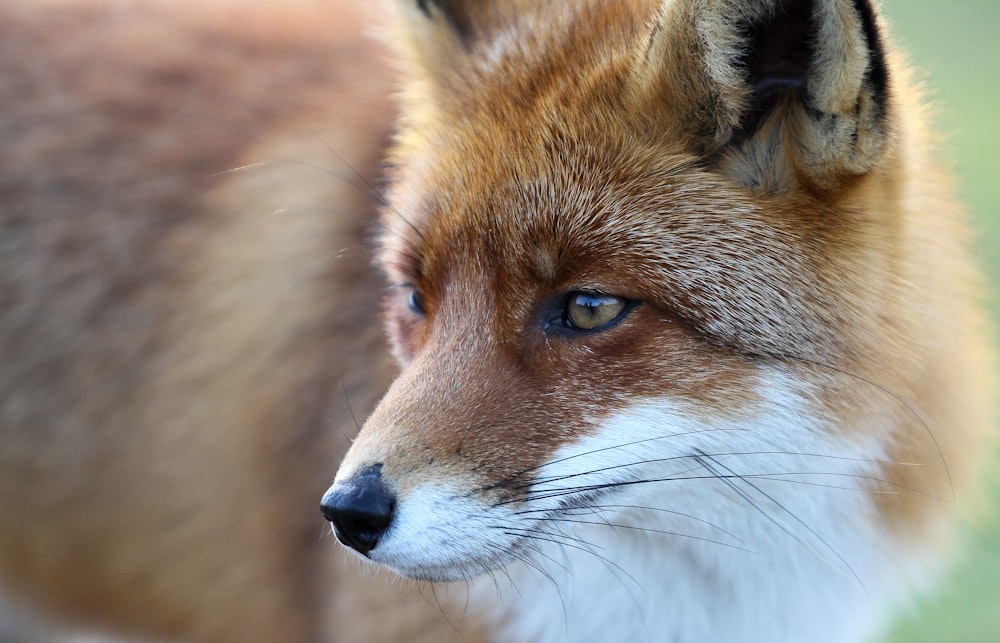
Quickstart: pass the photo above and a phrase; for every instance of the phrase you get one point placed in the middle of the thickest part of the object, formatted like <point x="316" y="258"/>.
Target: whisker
<point x="371" y="187"/>
<point x="649" y="530"/>
<point x="899" y="398"/>
<point x="538" y="535"/>
<point x="586" y="547"/>
<point x="538" y="567"/>
<point x="373" y="190"/>
<point x="523" y="557"/>
<point x="548" y="494"/>
<point x="366" y="187"/>
<point x="623" y="445"/>
<point x="363" y="252"/>
<point x="789" y="513"/>
<point x="882" y="481"/>
<point x="350" y="410"/>
<point x="728" y="453"/>
<point x="259" y="165"/>
<point x="440" y="608"/>
<point x="569" y="539"/>
<point x="604" y="507"/>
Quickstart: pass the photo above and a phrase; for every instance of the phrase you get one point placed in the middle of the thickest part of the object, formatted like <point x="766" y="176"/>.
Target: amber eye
<point x="589" y="311"/>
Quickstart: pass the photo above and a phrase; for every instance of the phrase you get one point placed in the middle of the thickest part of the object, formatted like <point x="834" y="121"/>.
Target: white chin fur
<point x="754" y="529"/>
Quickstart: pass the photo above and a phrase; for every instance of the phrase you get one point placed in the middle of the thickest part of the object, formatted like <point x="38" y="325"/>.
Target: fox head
<point x="639" y="254"/>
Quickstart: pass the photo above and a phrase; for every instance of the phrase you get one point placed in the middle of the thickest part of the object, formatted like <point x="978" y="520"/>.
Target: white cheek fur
<point x="759" y="529"/>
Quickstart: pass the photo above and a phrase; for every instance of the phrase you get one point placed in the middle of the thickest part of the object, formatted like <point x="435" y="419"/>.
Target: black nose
<point x="360" y="509"/>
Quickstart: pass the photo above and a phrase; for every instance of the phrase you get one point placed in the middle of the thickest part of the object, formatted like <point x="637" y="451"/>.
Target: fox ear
<point x="774" y="92"/>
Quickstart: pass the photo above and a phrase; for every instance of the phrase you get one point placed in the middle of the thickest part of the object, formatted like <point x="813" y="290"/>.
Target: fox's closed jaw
<point x="430" y="538"/>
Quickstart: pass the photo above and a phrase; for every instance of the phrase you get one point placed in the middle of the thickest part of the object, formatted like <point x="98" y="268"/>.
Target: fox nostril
<point x="360" y="509"/>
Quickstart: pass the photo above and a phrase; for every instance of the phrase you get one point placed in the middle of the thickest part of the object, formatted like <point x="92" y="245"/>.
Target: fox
<point x="690" y="340"/>
<point x="682" y="336"/>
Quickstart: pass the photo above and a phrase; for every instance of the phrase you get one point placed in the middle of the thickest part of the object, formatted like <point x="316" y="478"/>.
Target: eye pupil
<point x="588" y="311"/>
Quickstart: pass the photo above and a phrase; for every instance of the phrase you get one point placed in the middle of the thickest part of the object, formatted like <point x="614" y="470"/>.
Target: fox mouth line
<point x="528" y="530"/>
<point x="524" y="531"/>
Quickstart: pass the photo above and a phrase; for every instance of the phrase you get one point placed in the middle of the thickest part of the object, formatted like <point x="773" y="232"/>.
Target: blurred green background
<point x="957" y="47"/>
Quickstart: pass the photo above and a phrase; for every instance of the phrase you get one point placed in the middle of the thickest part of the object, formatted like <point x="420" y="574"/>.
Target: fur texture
<point x="771" y="442"/>
<point x="771" y="438"/>
<point x="188" y="318"/>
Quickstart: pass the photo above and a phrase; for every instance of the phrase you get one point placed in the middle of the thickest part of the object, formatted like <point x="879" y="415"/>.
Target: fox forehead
<point x="529" y="221"/>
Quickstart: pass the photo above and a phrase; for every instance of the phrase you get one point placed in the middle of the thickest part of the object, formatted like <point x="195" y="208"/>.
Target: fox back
<point x="691" y="345"/>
